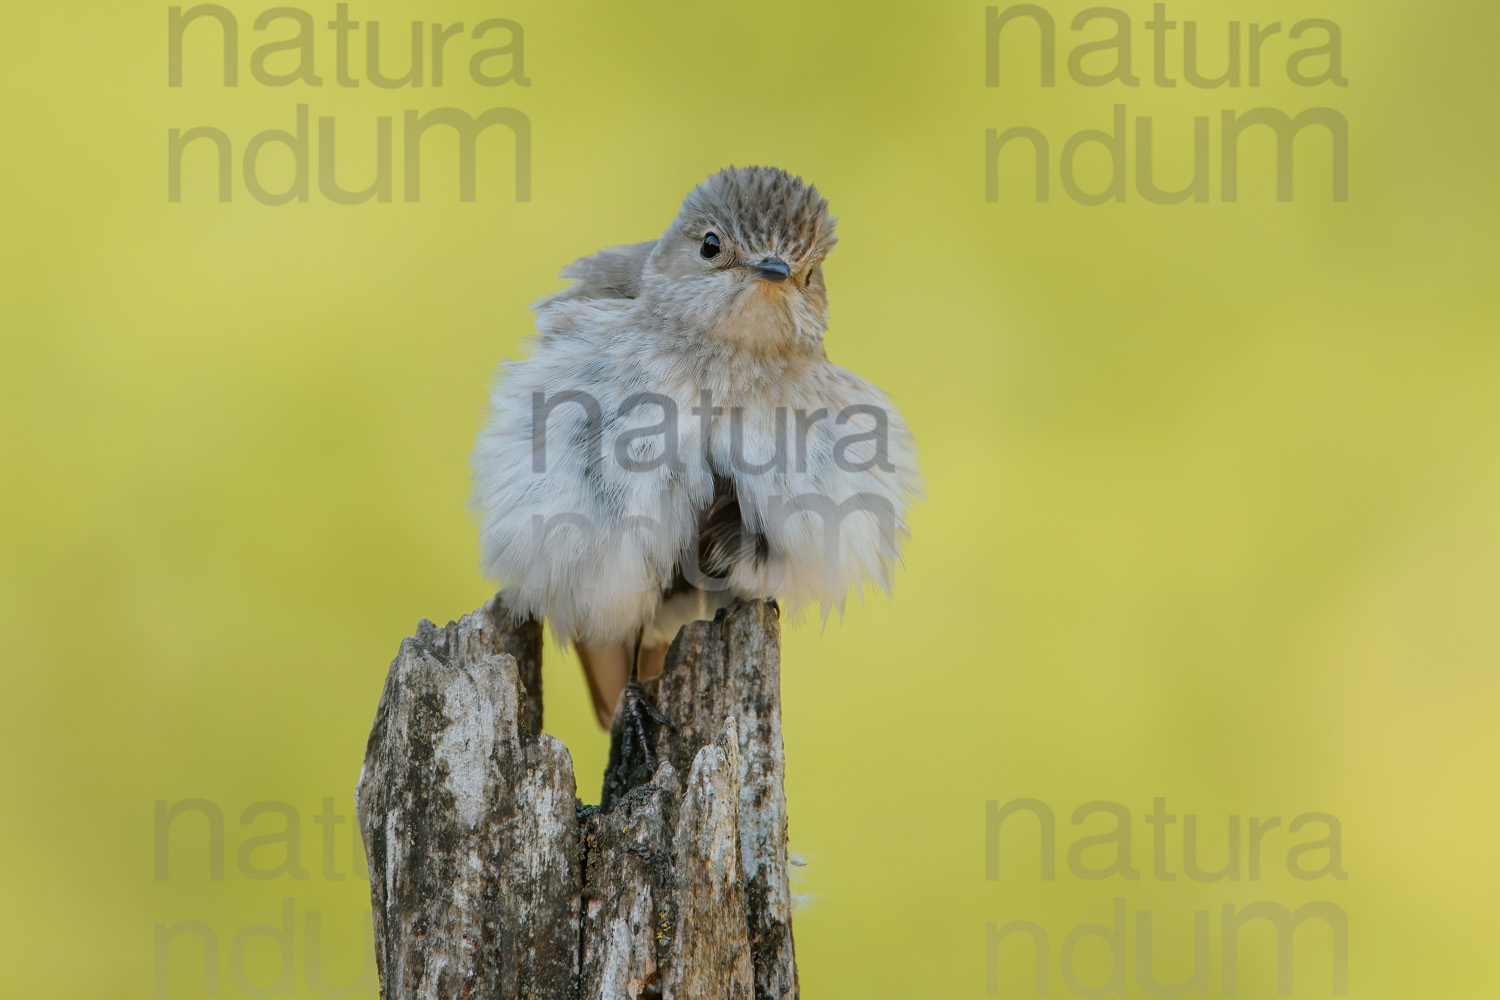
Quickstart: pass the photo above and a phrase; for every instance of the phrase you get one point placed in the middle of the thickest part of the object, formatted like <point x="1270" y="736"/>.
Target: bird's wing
<point x="612" y="273"/>
<point x="576" y="532"/>
<point x="831" y="515"/>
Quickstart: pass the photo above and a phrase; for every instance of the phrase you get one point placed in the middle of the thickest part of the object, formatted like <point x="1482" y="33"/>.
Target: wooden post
<point x="489" y="880"/>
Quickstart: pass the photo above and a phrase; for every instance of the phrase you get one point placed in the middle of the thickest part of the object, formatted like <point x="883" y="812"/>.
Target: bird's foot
<point x="637" y="709"/>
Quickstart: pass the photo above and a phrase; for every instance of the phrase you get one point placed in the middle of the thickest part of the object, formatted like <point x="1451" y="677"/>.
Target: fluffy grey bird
<point x="679" y="439"/>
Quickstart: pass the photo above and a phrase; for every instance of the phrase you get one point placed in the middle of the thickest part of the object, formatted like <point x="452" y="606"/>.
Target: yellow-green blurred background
<point x="1211" y="508"/>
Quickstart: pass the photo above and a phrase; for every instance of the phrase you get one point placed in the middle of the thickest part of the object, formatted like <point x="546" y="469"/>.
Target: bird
<point x="678" y="440"/>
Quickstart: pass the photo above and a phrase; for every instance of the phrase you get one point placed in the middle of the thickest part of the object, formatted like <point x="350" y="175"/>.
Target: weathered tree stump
<point x="490" y="881"/>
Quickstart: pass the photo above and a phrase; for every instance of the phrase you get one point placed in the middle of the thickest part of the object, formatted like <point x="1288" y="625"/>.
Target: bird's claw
<point x="636" y="707"/>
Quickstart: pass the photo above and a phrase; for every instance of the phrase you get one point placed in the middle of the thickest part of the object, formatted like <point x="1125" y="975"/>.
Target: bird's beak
<point x="771" y="269"/>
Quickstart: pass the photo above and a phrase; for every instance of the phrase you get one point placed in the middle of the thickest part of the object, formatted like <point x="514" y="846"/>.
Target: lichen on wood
<point x="488" y="879"/>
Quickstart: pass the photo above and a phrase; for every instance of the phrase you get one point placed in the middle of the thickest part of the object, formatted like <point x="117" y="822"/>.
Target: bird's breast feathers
<point x="611" y="467"/>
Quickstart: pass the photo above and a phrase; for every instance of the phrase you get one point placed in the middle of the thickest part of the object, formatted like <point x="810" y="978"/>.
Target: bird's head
<point x="742" y="262"/>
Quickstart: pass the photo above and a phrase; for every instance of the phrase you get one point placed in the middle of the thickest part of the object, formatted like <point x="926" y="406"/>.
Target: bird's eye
<point x="710" y="248"/>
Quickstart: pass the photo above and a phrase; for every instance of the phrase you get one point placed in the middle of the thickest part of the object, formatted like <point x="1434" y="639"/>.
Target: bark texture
<point x="488" y="878"/>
